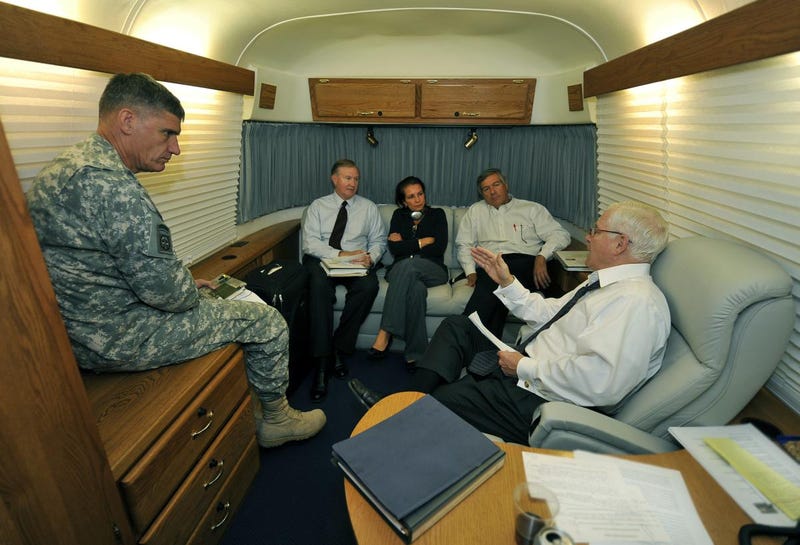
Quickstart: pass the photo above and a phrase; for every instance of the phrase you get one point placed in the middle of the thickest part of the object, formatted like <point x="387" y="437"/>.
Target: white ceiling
<point x="390" y="37"/>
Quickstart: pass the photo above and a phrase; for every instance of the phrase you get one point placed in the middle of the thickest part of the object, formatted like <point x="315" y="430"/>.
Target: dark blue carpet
<point x="297" y="497"/>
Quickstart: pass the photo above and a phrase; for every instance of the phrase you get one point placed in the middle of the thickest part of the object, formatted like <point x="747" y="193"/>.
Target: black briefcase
<point x="283" y="284"/>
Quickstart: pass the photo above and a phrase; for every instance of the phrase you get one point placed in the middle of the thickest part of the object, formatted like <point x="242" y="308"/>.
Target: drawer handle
<point x="212" y="464"/>
<point x="202" y="412"/>
<point x="222" y="507"/>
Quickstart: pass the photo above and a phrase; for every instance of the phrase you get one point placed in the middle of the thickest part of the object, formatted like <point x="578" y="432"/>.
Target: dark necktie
<point x="338" y="227"/>
<point x="483" y="363"/>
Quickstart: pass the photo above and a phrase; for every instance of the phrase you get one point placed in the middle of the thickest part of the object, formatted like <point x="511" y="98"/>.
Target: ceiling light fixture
<point x="471" y="139"/>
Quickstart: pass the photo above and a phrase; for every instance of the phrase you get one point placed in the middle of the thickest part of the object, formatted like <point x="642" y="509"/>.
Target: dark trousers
<point x="493" y="313"/>
<point x="361" y="293"/>
<point x="493" y="404"/>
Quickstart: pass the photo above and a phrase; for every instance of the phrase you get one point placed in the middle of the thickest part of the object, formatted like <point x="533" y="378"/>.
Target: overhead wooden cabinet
<point x="474" y="101"/>
<point x="353" y="99"/>
<point x="429" y="101"/>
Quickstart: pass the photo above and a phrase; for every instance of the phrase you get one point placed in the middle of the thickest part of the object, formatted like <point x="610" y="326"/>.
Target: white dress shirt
<point x="517" y="227"/>
<point x="604" y="348"/>
<point x="364" y="230"/>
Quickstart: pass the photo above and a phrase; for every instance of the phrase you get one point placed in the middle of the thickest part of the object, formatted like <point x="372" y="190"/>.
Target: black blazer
<point x="433" y="224"/>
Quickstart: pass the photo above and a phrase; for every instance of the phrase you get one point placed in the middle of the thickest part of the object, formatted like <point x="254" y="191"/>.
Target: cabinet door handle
<point x="212" y="464"/>
<point x="366" y="113"/>
<point x="471" y="114"/>
<point x="202" y="412"/>
<point x="222" y="507"/>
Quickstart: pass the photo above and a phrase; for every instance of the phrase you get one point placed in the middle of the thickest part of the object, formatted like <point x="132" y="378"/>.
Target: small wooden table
<point x="486" y="517"/>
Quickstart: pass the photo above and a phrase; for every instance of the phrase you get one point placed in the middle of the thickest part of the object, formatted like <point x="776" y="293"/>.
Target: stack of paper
<point x="606" y="500"/>
<point x="417" y="465"/>
<point x="341" y="266"/>
<point x="759" y="476"/>
<point x="573" y="260"/>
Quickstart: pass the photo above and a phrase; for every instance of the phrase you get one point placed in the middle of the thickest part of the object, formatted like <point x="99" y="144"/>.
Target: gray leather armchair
<point x="732" y="313"/>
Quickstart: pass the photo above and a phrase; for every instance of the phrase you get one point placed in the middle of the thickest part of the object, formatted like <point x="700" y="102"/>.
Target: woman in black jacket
<point x="417" y="240"/>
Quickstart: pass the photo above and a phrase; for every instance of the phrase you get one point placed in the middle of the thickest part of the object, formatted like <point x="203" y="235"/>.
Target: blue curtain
<point x="288" y="164"/>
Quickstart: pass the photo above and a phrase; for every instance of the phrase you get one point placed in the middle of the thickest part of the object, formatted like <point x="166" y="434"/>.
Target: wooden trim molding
<point x="763" y="29"/>
<point x="34" y="36"/>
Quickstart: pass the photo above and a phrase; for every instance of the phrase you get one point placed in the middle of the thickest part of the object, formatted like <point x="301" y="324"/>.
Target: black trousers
<point x="493" y="313"/>
<point x="361" y="293"/>
<point x="493" y="404"/>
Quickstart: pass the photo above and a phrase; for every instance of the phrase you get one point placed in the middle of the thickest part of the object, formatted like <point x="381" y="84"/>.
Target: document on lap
<point x="343" y="266"/>
<point x="475" y="319"/>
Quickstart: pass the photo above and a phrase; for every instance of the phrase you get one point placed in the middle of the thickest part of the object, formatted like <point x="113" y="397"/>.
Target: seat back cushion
<point x="708" y="284"/>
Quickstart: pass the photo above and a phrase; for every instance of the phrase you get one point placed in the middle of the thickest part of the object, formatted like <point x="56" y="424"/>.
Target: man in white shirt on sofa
<point x="523" y="231"/>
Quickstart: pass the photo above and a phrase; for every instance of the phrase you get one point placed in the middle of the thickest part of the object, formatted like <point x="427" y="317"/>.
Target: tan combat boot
<point x="282" y="423"/>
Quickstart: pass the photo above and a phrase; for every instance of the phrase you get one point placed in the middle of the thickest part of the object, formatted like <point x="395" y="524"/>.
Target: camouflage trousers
<point x="212" y="324"/>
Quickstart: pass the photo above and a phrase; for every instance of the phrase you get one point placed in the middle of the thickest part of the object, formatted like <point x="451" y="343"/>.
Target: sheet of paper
<point x="245" y="294"/>
<point x="665" y="491"/>
<point x="475" y="319"/>
<point x="772" y="484"/>
<point x="596" y="505"/>
<point x="744" y="493"/>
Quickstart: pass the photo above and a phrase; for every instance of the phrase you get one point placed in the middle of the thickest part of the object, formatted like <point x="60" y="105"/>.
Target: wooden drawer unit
<point x="151" y="482"/>
<point x="210" y="475"/>
<point x="220" y="513"/>
<point x="161" y="430"/>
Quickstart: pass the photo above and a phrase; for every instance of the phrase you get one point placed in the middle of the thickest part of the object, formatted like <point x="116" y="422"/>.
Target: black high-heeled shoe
<point x="375" y="354"/>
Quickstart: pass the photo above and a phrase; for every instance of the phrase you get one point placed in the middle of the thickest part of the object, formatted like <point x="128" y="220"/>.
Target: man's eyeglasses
<point x="594" y="230"/>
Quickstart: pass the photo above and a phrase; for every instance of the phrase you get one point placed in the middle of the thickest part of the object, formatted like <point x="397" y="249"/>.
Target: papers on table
<point x="744" y="492"/>
<point x="606" y="500"/>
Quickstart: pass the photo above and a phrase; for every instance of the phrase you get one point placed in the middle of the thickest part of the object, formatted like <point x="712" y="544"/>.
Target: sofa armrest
<point x="564" y="426"/>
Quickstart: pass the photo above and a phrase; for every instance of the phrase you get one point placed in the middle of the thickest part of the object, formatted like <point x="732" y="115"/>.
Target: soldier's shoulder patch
<point x="164" y="239"/>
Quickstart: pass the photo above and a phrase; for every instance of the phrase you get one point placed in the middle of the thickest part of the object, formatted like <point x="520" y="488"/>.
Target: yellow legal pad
<point x="772" y="484"/>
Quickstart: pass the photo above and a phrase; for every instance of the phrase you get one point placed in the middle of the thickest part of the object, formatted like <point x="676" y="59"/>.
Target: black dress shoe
<point x="365" y="396"/>
<point x="375" y="354"/>
<point x="319" y="388"/>
<point x="339" y="367"/>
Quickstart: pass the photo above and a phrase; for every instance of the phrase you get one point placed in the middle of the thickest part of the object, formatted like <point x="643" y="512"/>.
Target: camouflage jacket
<point x="108" y="251"/>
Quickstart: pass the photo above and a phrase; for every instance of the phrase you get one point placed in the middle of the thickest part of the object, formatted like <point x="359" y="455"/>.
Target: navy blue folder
<point x="418" y="464"/>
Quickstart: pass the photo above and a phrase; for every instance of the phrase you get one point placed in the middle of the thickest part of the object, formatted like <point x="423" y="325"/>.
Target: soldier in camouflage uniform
<point x="128" y="303"/>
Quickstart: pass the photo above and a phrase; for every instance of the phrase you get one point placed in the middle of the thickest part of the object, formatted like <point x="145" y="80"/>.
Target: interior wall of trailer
<point x="718" y="153"/>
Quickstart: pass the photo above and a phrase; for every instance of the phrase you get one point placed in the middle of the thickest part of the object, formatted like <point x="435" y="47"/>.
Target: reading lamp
<point x="371" y="137"/>
<point x="471" y="139"/>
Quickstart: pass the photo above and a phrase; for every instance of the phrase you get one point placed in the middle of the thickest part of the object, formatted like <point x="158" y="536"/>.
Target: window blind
<point x="719" y="154"/>
<point x="46" y="108"/>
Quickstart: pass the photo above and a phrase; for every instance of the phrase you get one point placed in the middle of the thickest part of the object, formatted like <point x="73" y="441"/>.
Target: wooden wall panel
<point x="765" y="28"/>
<point x="56" y="486"/>
<point x="33" y="36"/>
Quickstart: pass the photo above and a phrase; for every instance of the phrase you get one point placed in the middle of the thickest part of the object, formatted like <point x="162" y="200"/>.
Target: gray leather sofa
<point x="732" y="314"/>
